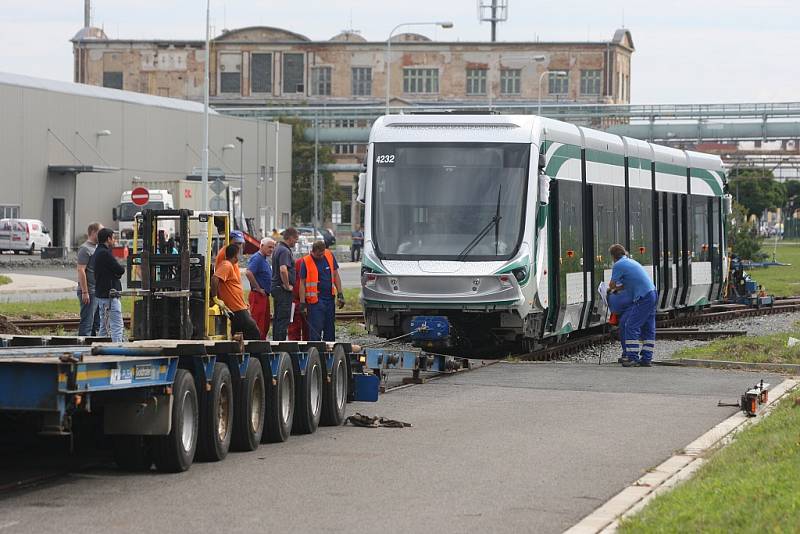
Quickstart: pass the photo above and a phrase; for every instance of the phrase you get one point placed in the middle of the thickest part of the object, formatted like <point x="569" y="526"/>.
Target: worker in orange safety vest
<point x="320" y="284"/>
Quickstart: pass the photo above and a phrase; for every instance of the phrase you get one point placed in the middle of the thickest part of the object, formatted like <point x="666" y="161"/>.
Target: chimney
<point x="87" y="13"/>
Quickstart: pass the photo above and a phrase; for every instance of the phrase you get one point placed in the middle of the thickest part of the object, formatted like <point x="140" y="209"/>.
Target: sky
<point x="687" y="51"/>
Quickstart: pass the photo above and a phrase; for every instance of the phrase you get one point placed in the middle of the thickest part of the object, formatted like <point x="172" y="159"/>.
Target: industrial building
<point x="70" y="150"/>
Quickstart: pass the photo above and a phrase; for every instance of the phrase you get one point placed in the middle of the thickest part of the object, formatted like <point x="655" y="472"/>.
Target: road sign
<point x="140" y="196"/>
<point x="218" y="186"/>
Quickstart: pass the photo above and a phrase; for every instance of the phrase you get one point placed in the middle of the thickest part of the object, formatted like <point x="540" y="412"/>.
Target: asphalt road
<point x="506" y="448"/>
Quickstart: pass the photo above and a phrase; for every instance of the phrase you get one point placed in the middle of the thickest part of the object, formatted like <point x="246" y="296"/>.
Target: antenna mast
<point x="493" y="11"/>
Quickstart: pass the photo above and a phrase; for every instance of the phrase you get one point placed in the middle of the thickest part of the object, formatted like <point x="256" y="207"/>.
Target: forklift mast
<point x="170" y="276"/>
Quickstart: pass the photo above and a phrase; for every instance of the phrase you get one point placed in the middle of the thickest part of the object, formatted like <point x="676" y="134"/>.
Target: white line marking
<point x="8" y="525"/>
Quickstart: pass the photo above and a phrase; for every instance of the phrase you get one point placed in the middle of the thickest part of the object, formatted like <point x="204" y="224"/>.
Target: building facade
<point x="272" y="66"/>
<point x="69" y="151"/>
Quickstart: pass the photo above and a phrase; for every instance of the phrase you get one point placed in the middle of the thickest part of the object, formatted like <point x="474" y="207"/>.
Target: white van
<point x="28" y="235"/>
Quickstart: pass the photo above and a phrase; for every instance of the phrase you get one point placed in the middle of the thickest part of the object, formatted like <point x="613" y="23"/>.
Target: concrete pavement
<point x="506" y="448"/>
<point x="31" y="287"/>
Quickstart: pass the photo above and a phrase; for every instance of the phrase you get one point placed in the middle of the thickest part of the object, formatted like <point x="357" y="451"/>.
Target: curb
<point x="674" y="470"/>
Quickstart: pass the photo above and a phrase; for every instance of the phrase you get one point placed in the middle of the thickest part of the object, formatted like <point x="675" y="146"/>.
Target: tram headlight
<point x="520" y="273"/>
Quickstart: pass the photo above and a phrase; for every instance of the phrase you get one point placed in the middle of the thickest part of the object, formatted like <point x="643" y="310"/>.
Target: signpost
<point x="140" y="196"/>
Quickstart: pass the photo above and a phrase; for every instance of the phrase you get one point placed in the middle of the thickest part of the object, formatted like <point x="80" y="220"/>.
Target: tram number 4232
<point x="384" y="159"/>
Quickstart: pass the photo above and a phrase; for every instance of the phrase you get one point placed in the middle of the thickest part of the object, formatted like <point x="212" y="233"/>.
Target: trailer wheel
<point x="334" y="393"/>
<point x="132" y="453"/>
<point x="174" y="452"/>
<point x="308" y="395"/>
<point x="280" y="406"/>
<point x="216" y="417"/>
<point x="248" y="425"/>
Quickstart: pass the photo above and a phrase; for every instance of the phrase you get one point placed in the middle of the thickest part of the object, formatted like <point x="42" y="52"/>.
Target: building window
<point x="510" y="81"/>
<point x="476" y="81"/>
<point x="261" y="73"/>
<point x="558" y="82"/>
<point x="9" y="212"/>
<point x="293" y="73"/>
<point x="362" y="81"/>
<point x="230" y="75"/>
<point x="112" y="80"/>
<point x="321" y="81"/>
<point x="590" y="82"/>
<point x="420" y="80"/>
<point x="344" y="149"/>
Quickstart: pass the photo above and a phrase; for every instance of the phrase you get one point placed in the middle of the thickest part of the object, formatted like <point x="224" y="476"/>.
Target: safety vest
<point x="312" y="277"/>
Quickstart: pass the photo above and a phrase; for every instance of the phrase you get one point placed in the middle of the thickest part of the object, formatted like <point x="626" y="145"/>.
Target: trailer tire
<point x="249" y="404"/>
<point x="280" y="404"/>
<point x="175" y="452"/>
<point x="308" y="395"/>
<point x="132" y="453"/>
<point x="216" y="417"/>
<point x="334" y="392"/>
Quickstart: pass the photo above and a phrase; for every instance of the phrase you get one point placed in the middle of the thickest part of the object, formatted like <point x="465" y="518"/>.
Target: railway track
<point x="677" y="327"/>
<point x="72" y="323"/>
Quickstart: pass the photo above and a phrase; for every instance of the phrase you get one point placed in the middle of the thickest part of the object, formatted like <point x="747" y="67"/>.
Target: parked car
<point x="23" y="235"/>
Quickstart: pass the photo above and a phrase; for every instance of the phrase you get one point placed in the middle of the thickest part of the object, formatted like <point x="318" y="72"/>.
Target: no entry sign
<point x="140" y="196"/>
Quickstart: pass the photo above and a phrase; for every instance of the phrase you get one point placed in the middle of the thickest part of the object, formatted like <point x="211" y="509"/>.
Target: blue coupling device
<point x="430" y="328"/>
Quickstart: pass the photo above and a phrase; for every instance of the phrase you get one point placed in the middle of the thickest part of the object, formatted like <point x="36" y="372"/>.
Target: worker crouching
<point x="227" y="283"/>
<point x="320" y="284"/>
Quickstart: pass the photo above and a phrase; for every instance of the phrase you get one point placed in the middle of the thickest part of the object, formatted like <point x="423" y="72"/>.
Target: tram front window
<point x="449" y="201"/>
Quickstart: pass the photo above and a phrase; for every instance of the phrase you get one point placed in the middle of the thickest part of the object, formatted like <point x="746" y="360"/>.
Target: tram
<point x="500" y="225"/>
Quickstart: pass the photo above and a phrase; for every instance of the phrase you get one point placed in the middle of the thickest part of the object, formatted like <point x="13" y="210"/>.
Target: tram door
<point x="682" y="265"/>
<point x="715" y="246"/>
<point x="666" y="233"/>
<point x="566" y="275"/>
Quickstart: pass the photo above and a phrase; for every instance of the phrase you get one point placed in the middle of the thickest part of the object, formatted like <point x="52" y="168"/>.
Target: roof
<point x="79" y="89"/>
<point x="90" y="34"/>
<point x="623" y="37"/>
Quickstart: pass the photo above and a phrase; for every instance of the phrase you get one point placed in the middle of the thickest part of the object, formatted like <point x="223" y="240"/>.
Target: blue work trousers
<point x="90" y="316"/>
<point x="639" y="327"/>
<point x="111" y="319"/>
<point x="322" y="320"/>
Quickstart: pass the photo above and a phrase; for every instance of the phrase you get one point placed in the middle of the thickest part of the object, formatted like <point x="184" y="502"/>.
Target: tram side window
<point x="609" y="206"/>
<point x="570" y="226"/>
<point x="641" y="221"/>
<point x="699" y="247"/>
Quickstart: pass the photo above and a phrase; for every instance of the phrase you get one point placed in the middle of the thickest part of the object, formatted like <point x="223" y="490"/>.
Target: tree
<point x="756" y="190"/>
<point x="303" y="175"/>
<point x="743" y="234"/>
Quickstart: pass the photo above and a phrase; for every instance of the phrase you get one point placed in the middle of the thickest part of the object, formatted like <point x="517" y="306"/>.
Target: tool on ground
<point x="752" y="399"/>
<point x="374" y="422"/>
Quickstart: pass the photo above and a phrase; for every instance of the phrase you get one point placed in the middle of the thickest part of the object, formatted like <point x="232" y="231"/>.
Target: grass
<point x="70" y="309"/>
<point x="780" y="281"/>
<point x="4" y="280"/>
<point x="52" y="309"/>
<point x="772" y="348"/>
<point x="749" y="486"/>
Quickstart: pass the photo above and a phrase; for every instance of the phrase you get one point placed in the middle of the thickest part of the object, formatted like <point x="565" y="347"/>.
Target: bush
<point x="743" y="234"/>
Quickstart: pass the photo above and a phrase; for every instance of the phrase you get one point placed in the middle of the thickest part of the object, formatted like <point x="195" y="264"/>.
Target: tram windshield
<point x="449" y="201"/>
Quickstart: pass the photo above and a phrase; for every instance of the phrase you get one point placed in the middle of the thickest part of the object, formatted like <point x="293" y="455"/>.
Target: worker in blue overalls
<point x="620" y="303"/>
<point x="639" y="323"/>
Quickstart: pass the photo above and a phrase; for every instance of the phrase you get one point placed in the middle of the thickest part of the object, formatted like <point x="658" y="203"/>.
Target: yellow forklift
<point x="169" y="275"/>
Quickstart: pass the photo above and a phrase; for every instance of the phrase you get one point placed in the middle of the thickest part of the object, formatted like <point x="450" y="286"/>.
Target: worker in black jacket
<point x="107" y="274"/>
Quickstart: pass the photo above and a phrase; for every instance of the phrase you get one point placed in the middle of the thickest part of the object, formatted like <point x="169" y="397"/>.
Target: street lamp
<point x="241" y="173"/>
<point x="444" y="24"/>
<point x="557" y="74"/>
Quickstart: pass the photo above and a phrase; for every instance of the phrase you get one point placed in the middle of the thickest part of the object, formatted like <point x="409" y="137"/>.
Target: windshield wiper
<point x="485" y="230"/>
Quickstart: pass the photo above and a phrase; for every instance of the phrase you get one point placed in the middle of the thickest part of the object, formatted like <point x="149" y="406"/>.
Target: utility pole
<point x="494" y="20"/>
<point x="204" y="187"/>
<point x="315" y="216"/>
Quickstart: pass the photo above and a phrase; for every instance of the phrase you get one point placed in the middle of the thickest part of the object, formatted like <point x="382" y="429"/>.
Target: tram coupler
<point x="754" y="398"/>
<point x="430" y="331"/>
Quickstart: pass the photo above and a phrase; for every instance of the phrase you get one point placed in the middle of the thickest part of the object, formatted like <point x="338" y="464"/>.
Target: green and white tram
<point x="500" y="225"/>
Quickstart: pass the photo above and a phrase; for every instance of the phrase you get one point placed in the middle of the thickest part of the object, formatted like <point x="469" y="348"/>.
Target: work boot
<point x="629" y="363"/>
<point x="645" y="363"/>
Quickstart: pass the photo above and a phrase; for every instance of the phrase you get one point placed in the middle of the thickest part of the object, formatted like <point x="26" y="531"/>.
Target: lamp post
<point x="204" y="188"/>
<point x="241" y="173"/>
<point x="444" y="24"/>
<point x="558" y="74"/>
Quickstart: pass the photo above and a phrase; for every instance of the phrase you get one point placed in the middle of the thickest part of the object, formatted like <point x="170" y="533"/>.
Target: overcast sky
<point x="695" y="51"/>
